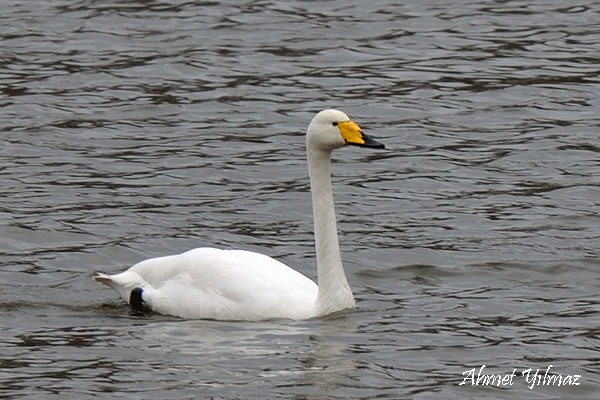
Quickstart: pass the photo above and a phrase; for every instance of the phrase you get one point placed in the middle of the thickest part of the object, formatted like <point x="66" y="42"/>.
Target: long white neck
<point x="334" y="292"/>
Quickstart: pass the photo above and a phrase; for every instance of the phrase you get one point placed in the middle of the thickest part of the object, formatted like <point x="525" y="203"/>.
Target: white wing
<point x="219" y="284"/>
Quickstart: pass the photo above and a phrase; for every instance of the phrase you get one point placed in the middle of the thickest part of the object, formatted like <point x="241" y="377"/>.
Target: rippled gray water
<point x="143" y="128"/>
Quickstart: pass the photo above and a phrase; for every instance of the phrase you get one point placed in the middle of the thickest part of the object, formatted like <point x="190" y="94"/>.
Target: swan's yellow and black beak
<point x="353" y="135"/>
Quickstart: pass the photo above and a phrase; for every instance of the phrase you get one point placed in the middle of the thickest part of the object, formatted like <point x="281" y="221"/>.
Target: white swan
<point x="242" y="285"/>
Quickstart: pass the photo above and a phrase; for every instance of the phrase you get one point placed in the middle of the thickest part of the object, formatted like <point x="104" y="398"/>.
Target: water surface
<point x="148" y="128"/>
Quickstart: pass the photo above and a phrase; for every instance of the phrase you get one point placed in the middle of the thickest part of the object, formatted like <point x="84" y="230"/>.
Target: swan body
<point x="209" y="283"/>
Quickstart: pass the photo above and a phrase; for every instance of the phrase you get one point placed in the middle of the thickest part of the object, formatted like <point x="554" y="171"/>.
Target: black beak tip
<point x="370" y="143"/>
<point x="377" y="145"/>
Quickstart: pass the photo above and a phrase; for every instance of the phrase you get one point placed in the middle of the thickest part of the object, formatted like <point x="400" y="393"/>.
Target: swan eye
<point x="334" y="123"/>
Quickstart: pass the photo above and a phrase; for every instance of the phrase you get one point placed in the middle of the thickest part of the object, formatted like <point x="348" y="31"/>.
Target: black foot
<point x="136" y="302"/>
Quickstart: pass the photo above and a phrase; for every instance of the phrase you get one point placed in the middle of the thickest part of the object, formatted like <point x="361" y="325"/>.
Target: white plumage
<point x="242" y="285"/>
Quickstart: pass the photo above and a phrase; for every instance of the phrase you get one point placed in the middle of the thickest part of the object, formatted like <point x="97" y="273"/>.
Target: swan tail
<point x="109" y="280"/>
<point x="123" y="283"/>
<point x="102" y="278"/>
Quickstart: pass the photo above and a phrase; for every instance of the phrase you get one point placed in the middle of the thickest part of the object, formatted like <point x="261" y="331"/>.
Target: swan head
<point x="332" y="129"/>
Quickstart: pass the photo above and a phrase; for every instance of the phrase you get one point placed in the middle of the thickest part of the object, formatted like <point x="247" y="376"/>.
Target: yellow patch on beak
<point x="351" y="132"/>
